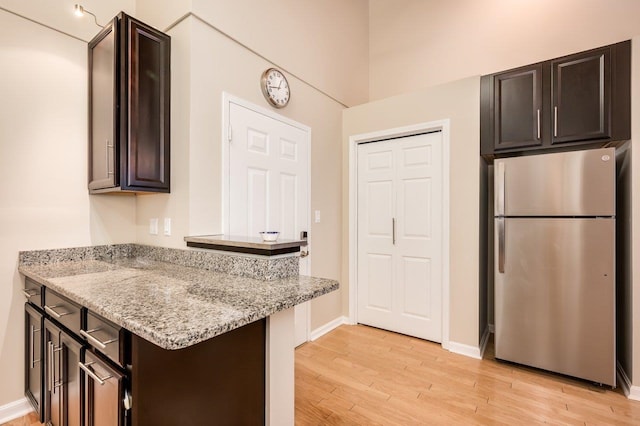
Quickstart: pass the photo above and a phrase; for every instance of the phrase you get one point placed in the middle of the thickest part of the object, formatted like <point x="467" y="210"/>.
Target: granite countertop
<point x="171" y="305"/>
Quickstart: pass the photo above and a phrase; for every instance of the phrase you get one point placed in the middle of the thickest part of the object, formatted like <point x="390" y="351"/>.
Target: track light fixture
<point x="79" y="11"/>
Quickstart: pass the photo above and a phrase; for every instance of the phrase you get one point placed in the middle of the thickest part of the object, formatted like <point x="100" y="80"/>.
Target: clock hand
<point x="280" y="84"/>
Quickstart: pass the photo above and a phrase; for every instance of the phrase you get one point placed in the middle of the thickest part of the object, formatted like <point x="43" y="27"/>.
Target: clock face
<point x="275" y="88"/>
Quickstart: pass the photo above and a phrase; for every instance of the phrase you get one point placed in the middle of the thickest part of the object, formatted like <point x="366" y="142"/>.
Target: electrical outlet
<point x="317" y="214"/>
<point x="153" y="226"/>
<point x="167" y="226"/>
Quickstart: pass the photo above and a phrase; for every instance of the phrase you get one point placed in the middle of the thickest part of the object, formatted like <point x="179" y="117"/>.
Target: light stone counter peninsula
<point x="176" y="299"/>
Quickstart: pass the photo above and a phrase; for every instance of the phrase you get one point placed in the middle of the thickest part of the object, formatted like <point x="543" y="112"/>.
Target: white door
<point x="400" y="235"/>
<point x="269" y="183"/>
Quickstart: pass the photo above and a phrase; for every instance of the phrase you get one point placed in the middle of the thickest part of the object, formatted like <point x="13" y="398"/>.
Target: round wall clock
<point x="275" y="88"/>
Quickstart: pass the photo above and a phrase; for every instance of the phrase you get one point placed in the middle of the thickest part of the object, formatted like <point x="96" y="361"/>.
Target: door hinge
<point x="229" y="133"/>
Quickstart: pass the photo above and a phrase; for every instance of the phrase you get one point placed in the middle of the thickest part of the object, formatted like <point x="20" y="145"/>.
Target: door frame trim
<point x="227" y="100"/>
<point x="398" y="132"/>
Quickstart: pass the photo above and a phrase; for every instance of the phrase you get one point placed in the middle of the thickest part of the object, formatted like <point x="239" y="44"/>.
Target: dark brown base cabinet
<point x="63" y="402"/>
<point x="82" y="370"/>
<point x="33" y="380"/>
<point x="220" y="381"/>
<point x="129" y="107"/>
<point x="66" y="380"/>
<point x="577" y="101"/>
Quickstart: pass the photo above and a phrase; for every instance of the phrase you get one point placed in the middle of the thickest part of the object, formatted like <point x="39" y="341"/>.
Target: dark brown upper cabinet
<point x="129" y="107"/>
<point x="518" y="100"/>
<point x="577" y="101"/>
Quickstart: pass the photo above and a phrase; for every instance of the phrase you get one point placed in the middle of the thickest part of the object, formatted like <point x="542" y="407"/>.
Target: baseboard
<point x="484" y="341"/>
<point x="492" y="328"/>
<point x="322" y="330"/>
<point x="14" y="409"/>
<point x="466" y="350"/>
<point x="630" y="391"/>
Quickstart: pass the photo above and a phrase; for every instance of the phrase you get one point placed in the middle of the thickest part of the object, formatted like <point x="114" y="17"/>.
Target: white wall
<point x="44" y="201"/>
<point x="459" y="102"/>
<point x="420" y="43"/>
<point x="59" y="14"/>
<point x="325" y="43"/>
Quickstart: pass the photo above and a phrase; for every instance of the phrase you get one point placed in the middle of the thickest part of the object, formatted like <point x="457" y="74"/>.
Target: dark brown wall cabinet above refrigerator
<point x="129" y="106"/>
<point x="577" y="101"/>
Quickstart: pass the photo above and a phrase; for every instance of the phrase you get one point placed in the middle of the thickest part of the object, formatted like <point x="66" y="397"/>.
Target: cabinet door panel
<point x="518" y="107"/>
<point x="102" y="106"/>
<point x="53" y="399"/>
<point x="33" y="358"/>
<point x="102" y="397"/>
<point x="148" y="95"/>
<point x="581" y="97"/>
<point x="70" y="356"/>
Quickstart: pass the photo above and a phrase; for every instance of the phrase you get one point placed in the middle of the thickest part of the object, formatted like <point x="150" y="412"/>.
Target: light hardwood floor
<point x="364" y="376"/>
<point x="28" y="420"/>
<point x="358" y="375"/>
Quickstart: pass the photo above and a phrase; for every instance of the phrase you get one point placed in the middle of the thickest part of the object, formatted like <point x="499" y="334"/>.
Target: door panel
<point x="257" y="202"/>
<point x="417" y="220"/>
<point x="400" y="236"/>
<point x="555" y="299"/>
<point x="33" y="353"/>
<point x="70" y="356"/>
<point x="380" y="200"/>
<point x="102" y="66"/>
<point x="578" y="183"/>
<point x="269" y="184"/>
<point x="102" y="398"/>
<point x="581" y="97"/>
<point x="518" y="102"/>
<point x="380" y="280"/>
<point x="416" y="277"/>
<point x="52" y="374"/>
<point x="288" y="207"/>
<point x="148" y="106"/>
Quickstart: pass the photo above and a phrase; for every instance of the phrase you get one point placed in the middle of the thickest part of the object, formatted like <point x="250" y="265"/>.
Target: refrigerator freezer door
<point x="554" y="303"/>
<point x="577" y="183"/>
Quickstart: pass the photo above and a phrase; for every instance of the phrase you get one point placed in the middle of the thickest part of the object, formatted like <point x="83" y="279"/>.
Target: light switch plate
<point x="167" y="226"/>
<point x="153" y="226"/>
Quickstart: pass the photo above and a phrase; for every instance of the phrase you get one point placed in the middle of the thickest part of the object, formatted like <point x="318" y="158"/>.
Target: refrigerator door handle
<point x="500" y="193"/>
<point x="501" y="248"/>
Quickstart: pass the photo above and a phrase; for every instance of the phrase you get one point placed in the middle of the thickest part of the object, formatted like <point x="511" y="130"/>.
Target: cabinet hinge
<point x="229" y="134"/>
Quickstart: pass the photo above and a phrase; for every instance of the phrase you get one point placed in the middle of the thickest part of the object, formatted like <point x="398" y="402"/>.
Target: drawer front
<point x="63" y="310"/>
<point x="105" y="337"/>
<point x="33" y="292"/>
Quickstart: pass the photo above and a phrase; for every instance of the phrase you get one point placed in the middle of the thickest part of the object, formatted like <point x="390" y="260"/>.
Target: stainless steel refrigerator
<point x="554" y="240"/>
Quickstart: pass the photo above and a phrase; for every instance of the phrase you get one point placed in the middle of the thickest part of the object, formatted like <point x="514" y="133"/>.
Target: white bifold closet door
<point x="399" y="269"/>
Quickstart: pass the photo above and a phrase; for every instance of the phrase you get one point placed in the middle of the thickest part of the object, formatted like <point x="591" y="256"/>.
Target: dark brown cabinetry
<point x="129" y="107"/>
<point x="104" y="388"/>
<point x="33" y="381"/>
<point x="580" y="100"/>
<point x="83" y="370"/>
<point x="66" y="379"/>
<point x="63" y="384"/>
